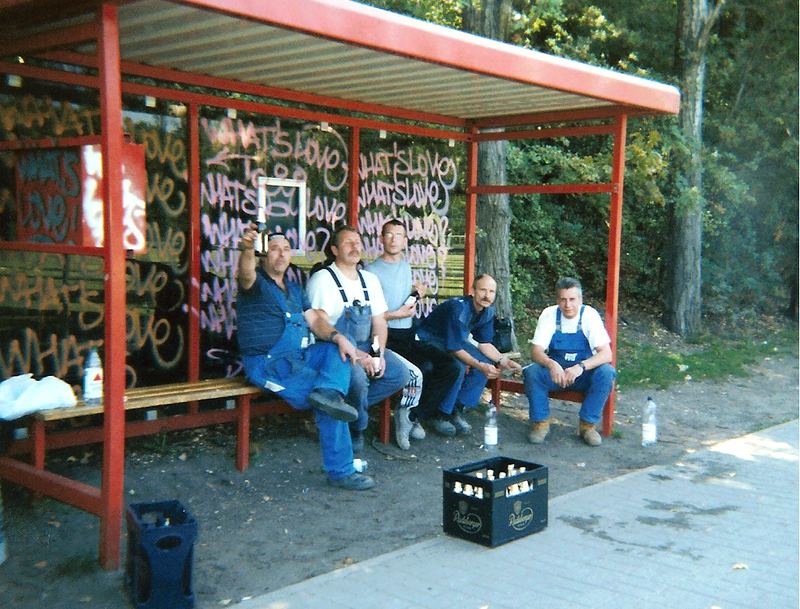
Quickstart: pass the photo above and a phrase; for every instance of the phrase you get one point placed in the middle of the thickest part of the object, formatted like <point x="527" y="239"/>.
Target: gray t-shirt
<point x="395" y="278"/>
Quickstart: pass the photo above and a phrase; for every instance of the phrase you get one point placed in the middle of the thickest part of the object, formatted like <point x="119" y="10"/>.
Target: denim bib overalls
<point x="292" y="369"/>
<point x="356" y="323"/>
<point x="568" y="349"/>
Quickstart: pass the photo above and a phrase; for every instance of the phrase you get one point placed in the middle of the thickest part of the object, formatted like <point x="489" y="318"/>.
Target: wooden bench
<point x="504" y="384"/>
<point x="153" y="397"/>
<point x="146" y="398"/>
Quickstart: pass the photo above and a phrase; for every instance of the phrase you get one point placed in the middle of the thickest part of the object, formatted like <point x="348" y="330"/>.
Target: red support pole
<point x="111" y="490"/>
<point x="471" y="211"/>
<point x="193" y="135"/>
<point x="352" y="201"/>
<point x="614" y="249"/>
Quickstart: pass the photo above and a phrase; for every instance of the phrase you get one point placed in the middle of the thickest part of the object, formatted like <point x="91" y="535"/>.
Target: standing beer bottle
<point x="490" y="428"/>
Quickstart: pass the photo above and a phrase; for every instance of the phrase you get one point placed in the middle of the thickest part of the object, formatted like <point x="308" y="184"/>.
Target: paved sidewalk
<point x="718" y="529"/>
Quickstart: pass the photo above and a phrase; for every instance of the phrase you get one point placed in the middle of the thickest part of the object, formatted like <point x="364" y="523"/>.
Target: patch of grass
<point x="711" y="358"/>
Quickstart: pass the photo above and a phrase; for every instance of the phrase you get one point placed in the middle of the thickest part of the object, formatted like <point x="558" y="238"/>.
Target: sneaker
<point x="357" y="439"/>
<point x="417" y="431"/>
<point x="443" y="427"/>
<point x="353" y="482"/>
<point x="589" y="434"/>
<point x="402" y="427"/>
<point x="330" y="402"/>
<point x="538" y="432"/>
<point x="459" y="422"/>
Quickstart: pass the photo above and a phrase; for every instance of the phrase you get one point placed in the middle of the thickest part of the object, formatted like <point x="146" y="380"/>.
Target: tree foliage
<point x="749" y="156"/>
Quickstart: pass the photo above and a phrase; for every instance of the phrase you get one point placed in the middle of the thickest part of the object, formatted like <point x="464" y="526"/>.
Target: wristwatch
<point x="332" y="335"/>
<point x="582" y="365"/>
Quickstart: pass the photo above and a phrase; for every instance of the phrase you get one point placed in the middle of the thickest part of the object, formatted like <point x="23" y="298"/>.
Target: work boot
<point x="330" y="402"/>
<point x="402" y="427"/>
<point x="538" y="431"/>
<point x="459" y="422"/>
<point x="417" y="431"/>
<point x="353" y="482"/>
<point x="442" y="426"/>
<point x="589" y="434"/>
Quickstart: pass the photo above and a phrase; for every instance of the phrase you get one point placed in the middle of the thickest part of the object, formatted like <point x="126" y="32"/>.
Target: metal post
<point x="108" y="57"/>
<point x="614" y="247"/>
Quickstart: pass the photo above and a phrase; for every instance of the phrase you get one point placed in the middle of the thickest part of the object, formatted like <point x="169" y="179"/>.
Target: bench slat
<point x="161" y="395"/>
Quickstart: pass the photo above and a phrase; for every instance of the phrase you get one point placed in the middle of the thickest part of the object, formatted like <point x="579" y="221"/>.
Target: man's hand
<point x="571" y="374"/>
<point x="506" y="363"/>
<point x="365" y="361"/>
<point x="346" y="348"/>
<point x="557" y="374"/>
<point x="406" y="311"/>
<point x="249" y="237"/>
<point x="490" y="370"/>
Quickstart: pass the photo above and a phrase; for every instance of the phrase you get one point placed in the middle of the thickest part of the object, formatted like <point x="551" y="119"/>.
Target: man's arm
<point x="486" y="368"/>
<point x="317" y="321"/>
<point x="539" y="356"/>
<point x="247" y="258"/>
<point x="500" y="360"/>
<point x="379" y="329"/>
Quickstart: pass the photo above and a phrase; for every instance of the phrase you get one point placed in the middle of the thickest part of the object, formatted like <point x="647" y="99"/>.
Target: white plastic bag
<point x="20" y="396"/>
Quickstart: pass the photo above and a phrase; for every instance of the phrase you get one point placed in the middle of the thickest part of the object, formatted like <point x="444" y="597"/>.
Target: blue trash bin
<point x="158" y="570"/>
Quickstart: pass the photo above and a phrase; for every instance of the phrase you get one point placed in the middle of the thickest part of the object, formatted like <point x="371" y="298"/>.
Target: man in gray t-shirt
<point x="438" y="371"/>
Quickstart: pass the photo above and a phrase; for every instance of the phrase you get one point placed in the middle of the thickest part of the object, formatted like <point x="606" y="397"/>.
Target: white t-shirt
<point x="323" y="293"/>
<point x="591" y="324"/>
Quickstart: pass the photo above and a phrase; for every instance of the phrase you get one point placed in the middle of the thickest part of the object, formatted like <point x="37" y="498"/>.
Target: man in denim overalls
<point x="354" y="302"/>
<point x="571" y="351"/>
<point x="274" y="319"/>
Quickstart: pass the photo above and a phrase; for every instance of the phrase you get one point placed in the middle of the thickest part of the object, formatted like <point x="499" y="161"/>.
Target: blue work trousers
<point x="320" y="368"/>
<point x="596" y="385"/>
<point x="468" y="387"/>
<point x="365" y="391"/>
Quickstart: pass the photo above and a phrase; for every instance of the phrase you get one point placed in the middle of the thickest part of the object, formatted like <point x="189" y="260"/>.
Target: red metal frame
<point x="113" y="475"/>
<point x="373" y="28"/>
<point x="107" y="501"/>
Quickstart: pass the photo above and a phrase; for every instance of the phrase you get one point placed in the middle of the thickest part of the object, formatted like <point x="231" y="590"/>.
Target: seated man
<point x="448" y="328"/>
<point x="274" y="319"/>
<point x="434" y="370"/>
<point x="571" y="351"/>
<point x="354" y="302"/>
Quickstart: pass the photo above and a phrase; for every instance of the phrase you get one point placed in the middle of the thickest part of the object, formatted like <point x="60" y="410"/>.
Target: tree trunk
<point x="683" y="301"/>
<point x="490" y="18"/>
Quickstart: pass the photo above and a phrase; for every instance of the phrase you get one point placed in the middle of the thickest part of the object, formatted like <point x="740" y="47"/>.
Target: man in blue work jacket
<point x="463" y="327"/>
<point x="274" y="318"/>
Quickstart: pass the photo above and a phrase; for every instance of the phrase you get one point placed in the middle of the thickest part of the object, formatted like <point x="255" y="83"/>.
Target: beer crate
<point x="495" y="511"/>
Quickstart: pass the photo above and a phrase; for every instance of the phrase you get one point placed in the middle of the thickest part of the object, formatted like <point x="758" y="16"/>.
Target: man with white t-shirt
<point x="571" y="351"/>
<point x="355" y="304"/>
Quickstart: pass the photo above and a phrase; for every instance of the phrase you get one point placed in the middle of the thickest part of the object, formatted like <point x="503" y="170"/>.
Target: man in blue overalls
<point x="571" y="351"/>
<point x="355" y="304"/>
<point x="273" y="323"/>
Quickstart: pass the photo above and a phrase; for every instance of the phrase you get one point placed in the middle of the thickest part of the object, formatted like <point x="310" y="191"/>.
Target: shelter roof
<point x="340" y="50"/>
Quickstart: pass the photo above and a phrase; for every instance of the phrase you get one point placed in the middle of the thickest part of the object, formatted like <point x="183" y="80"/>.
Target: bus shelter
<point x="139" y="138"/>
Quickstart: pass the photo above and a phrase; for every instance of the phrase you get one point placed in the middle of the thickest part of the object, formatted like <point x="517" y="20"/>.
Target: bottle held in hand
<point x="412" y="299"/>
<point x="375" y="354"/>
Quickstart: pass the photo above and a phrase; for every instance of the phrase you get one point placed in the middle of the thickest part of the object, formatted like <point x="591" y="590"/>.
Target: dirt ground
<point x="279" y="523"/>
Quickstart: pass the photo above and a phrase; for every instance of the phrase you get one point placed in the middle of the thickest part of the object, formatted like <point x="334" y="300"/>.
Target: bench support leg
<point x="39" y="441"/>
<point x="243" y="433"/>
<point x="386" y="420"/>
